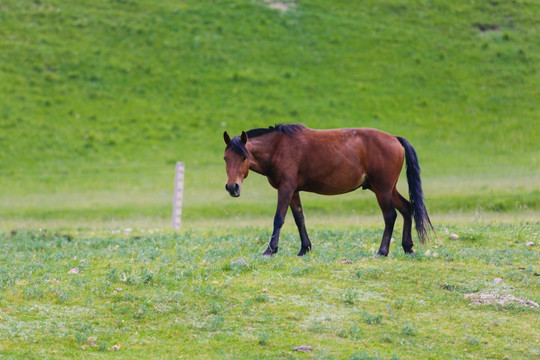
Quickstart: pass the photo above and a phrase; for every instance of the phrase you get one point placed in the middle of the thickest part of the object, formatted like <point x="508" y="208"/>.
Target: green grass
<point x="186" y="295"/>
<point x="99" y="99"/>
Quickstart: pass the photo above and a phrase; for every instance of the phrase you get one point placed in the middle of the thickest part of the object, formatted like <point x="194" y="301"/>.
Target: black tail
<point x="416" y="195"/>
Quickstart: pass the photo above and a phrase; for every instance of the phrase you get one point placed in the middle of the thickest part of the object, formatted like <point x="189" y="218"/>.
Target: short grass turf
<point x="212" y="295"/>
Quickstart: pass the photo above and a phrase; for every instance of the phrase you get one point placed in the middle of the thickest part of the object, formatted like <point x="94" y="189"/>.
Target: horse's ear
<point x="227" y="138"/>
<point x="243" y="137"/>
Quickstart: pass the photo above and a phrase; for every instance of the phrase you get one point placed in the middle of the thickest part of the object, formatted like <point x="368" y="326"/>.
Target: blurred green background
<point x="99" y="99"/>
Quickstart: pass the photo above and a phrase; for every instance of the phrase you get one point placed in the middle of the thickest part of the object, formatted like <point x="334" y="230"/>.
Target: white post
<point x="178" y="196"/>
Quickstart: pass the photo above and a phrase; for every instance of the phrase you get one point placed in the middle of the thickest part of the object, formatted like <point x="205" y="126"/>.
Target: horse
<point x="295" y="158"/>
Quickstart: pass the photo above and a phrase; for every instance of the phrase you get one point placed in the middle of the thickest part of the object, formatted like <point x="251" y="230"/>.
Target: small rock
<point x="91" y="341"/>
<point x="114" y="348"/>
<point x="240" y="262"/>
<point x="346" y="261"/>
<point x="530" y="243"/>
<point x="74" y="271"/>
<point x="392" y="240"/>
<point x="531" y="304"/>
<point x="497" y="280"/>
<point x="454" y="236"/>
<point x="303" y="348"/>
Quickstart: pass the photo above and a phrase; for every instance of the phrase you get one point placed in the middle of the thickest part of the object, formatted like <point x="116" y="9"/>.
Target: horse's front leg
<point x="296" y="208"/>
<point x="284" y="199"/>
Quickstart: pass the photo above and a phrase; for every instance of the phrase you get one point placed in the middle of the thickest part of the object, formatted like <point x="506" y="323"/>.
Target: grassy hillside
<point x="98" y="99"/>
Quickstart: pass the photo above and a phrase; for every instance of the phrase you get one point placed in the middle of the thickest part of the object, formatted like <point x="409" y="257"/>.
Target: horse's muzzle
<point x="234" y="189"/>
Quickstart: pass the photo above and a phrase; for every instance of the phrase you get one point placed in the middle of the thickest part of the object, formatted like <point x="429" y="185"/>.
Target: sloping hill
<point x="99" y="99"/>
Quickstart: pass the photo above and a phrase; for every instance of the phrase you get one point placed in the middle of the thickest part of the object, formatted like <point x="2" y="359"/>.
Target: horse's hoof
<point x="410" y="252"/>
<point x="270" y="251"/>
<point x="380" y="254"/>
<point x="304" y="251"/>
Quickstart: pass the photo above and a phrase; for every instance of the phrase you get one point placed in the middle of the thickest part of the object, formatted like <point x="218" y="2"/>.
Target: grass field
<point x="99" y="99"/>
<point x="210" y="295"/>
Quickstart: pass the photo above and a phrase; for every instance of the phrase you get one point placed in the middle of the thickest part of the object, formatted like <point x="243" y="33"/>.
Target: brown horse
<point x="329" y="162"/>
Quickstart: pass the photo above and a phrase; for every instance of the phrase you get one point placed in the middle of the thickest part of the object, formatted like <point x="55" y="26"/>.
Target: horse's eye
<point x="244" y="158"/>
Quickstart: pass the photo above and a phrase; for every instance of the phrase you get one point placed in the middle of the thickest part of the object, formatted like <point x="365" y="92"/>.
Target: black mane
<point x="289" y="129"/>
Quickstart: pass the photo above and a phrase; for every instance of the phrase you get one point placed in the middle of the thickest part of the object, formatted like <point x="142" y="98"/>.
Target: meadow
<point x="99" y="99"/>
<point x="210" y="295"/>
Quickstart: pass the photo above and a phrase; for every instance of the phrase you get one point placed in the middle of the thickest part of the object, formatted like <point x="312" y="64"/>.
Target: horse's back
<point x="336" y="161"/>
<point x="369" y="144"/>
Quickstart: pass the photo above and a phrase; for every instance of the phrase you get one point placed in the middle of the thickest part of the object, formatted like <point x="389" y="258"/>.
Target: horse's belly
<point x="337" y="182"/>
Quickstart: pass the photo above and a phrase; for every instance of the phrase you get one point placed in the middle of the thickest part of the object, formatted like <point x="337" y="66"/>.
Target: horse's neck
<point x="261" y="149"/>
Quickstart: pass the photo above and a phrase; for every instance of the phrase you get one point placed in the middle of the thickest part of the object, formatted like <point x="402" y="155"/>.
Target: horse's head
<point x="237" y="162"/>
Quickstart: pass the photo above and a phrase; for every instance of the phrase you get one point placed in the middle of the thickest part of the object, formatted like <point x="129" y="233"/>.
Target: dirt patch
<point x="284" y="5"/>
<point x="483" y="298"/>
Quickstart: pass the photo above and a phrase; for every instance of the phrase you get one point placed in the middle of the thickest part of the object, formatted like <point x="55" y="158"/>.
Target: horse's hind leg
<point x="404" y="207"/>
<point x="389" y="214"/>
<point x="296" y="208"/>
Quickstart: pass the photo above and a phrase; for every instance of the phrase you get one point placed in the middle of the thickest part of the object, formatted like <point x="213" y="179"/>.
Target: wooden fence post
<point x="178" y="196"/>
